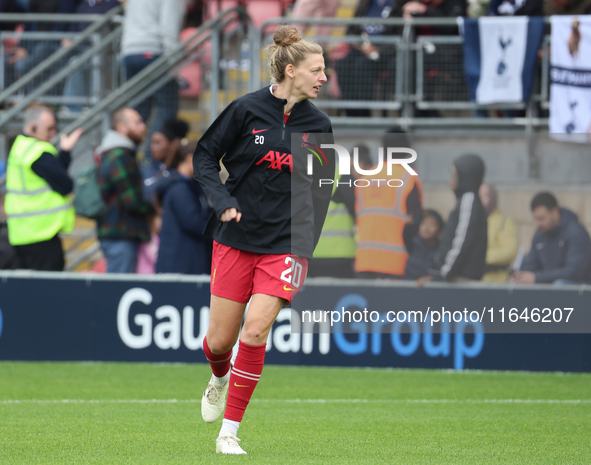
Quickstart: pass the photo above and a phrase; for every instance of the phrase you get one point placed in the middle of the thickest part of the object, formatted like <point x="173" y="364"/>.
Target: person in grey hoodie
<point x="150" y="29"/>
<point x="560" y="250"/>
<point x="123" y="224"/>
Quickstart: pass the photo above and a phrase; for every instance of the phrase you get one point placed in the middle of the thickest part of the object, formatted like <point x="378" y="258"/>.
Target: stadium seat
<point x="213" y="7"/>
<point x="190" y="75"/>
<point x="100" y="266"/>
<point x="205" y="49"/>
<point x="258" y="10"/>
<point x="262" y="10"/>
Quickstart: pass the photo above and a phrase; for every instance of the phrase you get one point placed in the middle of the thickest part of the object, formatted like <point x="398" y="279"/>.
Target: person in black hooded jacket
<point x="462" y="252"/>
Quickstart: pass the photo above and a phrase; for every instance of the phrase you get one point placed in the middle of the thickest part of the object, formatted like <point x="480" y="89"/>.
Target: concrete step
<point x="345" y="11"/>
<point x="197" y="120"/>
<point x="75" y="242"/>
<point x="223" y="97"/>
<point x="349" y="4"/>
<point x="198" y="116"/>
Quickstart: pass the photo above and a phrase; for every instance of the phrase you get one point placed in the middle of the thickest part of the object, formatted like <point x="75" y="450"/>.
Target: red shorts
<point x="237" y="275"/>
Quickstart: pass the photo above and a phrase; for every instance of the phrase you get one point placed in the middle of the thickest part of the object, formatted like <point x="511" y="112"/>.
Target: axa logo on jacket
<point x="278" y="161"/>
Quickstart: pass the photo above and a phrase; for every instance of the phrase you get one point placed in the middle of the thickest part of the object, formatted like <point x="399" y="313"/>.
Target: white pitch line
<point x="304" y="401"/>
<point x="100" y="401"/>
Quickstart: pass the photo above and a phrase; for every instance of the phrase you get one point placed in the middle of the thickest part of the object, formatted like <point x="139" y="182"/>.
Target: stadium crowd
<point x="373" y="231"/>
<point x="153" y="221"/>
<point x="154" y="212"/>
<point x="359" y="67"/>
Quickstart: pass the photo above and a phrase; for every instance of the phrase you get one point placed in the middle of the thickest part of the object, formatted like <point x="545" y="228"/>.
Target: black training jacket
<point x="266" y="179"/>
<point x="462" y="251"/>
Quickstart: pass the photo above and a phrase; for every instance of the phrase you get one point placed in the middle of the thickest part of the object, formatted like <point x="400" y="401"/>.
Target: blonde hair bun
<point x="285" y="36"/>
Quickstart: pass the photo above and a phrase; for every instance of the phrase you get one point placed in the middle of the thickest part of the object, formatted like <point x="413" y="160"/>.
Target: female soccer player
<point x="253" y="254"/>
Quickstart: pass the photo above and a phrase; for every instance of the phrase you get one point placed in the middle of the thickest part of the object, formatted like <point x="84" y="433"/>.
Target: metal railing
<point x="61" y="75"/>
<point x="60" y="70"/>
<point x="164" y="69"/>
<point x="98" y="22"/>
<point x="414" y="56"/>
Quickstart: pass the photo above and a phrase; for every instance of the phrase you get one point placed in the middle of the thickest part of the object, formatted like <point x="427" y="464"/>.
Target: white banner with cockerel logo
<point x="570" y="76"/>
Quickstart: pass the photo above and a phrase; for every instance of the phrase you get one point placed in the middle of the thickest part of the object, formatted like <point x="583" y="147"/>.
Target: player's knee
<point x="253" y="335"/>
<point x="220" y="345"/>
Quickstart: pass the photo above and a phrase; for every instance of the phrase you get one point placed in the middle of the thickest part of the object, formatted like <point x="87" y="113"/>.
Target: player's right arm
<point x="216" y="141"/>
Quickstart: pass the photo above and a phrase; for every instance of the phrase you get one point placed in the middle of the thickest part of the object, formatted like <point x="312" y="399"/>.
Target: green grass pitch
<point x="114" y="413"/>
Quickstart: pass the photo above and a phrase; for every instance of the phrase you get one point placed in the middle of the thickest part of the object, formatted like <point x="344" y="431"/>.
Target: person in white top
<point x="152" y="28"/>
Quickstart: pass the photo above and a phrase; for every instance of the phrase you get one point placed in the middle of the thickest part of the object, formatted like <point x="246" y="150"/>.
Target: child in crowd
<point x="148" y="251"/>
<point x="424" y="246"/>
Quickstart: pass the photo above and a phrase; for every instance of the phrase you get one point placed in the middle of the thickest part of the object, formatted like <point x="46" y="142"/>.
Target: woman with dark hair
<point x="166" y="150"/>
<point x="166" y="157"/>
<point x="254" y="257"/>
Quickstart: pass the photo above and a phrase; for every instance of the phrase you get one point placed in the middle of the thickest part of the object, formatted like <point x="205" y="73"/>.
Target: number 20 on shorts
<point x="293" y="274"/>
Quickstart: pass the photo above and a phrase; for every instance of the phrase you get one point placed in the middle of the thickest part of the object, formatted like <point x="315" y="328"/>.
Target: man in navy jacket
<point x="561" y="249"/>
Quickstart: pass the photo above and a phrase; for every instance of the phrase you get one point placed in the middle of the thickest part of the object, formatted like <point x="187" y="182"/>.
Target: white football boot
<point x="213" y="402"/>
<point x="228" y="444"/>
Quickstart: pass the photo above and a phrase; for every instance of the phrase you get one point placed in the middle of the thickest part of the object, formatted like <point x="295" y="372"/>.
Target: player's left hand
<point x="230" y="214"/>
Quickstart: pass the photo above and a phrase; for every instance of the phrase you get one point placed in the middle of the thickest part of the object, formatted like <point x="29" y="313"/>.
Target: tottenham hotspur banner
<point x="500" y="55"/>
<point x="570" y="91"/>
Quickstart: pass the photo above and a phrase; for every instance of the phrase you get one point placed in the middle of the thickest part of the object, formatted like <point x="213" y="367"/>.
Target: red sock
<point x="220" y="363"/>
<point x="243" y="379"/>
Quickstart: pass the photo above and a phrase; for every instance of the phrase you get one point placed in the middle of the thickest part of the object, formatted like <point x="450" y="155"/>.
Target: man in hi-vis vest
<point x="38" y="203"/>
<point x="334" y="256"/>
<point x="383" y="212"/>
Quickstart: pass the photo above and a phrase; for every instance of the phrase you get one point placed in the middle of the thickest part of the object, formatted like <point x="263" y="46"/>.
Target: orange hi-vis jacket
<point x="381" y="217"/>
